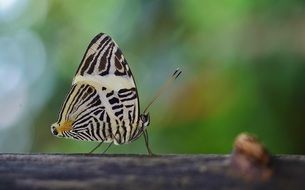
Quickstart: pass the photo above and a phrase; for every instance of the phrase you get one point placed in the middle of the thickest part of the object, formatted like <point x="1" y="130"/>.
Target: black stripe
<point x="80" y="126"/>
<point x="94" y="103"/>
<point x="79" y="121"/>
<point x="97" y="56"/>
<point x="84" y="117"/>
<point x="103" y="60"/>
<point x="118" y="139"/>
<point x="73" y="134"/>
<point x="124" y="90"/>
<point x="106" y="39"/>
<point x="102" y="115"/>
<point x="117" y="106"/>
<point x="129" y="116"/>
<point x="87" y="112"/>
<point x="134" y="133"/>
<point x="64" y="134"/>
<point x="86" y="98"/>
<point x="85" y="135"/>
<point x="87" y="64"/>
<point x="118" y="73"/>
<point x="129" y="105"/>
<point x="118" y="53"/>
<point x="114" y="100"/>
<point x="109" y="130"/>
<point x="81" y="136"/>
<point x="98" y="129"/>
<point x="109" y="125"/>
<point x="75" y="99"/>
<point x="104" y="130"/>
<point x="126" y="94"/>
<point x="107" y="118"/>
<point x="124" y="131"/>
<point x="78" y="94"/>
<point x="130" y="132"/>
<point x="108" y="59"/>
<point x="64" y="105"/>
<point x="130" y="98"/>
<point x="92" y="133"/>
<point x="95" y="39"/>
<point x="109" y="94"/>
<point x="94" y="100"/>
<point x="133" y="114"/>
<point x="97" y="112"/>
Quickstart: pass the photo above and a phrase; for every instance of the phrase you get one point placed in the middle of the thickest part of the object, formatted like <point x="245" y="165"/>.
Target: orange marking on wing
<point x="65" y="126"/>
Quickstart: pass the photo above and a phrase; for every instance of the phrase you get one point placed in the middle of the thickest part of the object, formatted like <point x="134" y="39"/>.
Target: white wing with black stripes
<point x="102" y="104"/>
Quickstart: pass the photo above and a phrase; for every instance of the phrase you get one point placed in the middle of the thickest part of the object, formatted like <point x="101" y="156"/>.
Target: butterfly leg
<point x="150" y="153"/>
<point x="95" y="148"/>
<point x="113" y="136"/>
<point x="107" y="148"/>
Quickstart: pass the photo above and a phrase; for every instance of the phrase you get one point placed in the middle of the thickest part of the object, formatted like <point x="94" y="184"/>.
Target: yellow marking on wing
<point x="65" y="126"/>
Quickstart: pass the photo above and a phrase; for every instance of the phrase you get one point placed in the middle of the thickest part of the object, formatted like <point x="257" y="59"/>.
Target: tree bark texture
<point x="96" y="171"/>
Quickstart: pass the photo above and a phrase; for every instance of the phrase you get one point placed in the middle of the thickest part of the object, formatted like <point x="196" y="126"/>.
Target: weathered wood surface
<point x="83" y="171"/>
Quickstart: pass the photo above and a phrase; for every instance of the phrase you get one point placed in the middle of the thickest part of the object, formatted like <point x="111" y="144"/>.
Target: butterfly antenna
<point x="165" y="86"/>
<point x="150" y="153"/>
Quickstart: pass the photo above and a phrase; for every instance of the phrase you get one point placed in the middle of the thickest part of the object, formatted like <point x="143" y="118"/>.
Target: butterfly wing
<point x="102" y="104"/>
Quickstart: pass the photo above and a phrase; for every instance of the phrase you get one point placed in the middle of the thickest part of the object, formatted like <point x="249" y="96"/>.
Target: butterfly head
<point x="145" y="119"/>
<point x="57" y="129"/>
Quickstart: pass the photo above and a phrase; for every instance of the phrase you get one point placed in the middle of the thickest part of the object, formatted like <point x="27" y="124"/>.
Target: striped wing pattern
<point x="102" y="104"/>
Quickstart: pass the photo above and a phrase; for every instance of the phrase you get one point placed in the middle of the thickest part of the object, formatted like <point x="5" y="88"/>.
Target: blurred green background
<point x="243" y="68"/>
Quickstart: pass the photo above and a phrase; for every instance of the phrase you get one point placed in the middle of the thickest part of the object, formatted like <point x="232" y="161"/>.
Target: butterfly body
<point x="103" y="103"/>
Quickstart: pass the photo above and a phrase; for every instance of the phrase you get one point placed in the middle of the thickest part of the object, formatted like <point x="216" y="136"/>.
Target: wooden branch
<point x="84" y="171"/>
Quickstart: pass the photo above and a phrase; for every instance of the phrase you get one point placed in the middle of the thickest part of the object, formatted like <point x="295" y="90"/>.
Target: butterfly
<point x="103" y="104"/>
